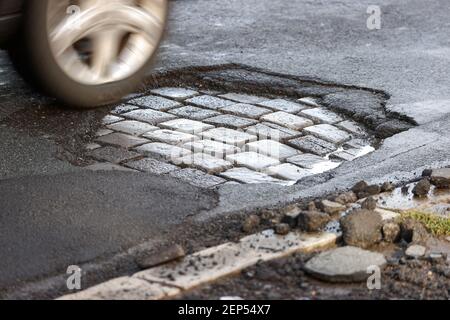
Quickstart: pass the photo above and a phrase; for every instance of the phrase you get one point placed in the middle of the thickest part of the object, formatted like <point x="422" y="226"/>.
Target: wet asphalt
<point x="54" y="214"/>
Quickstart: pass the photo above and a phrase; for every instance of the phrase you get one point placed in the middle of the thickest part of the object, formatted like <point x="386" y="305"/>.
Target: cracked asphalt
<point x="54" y="214"/>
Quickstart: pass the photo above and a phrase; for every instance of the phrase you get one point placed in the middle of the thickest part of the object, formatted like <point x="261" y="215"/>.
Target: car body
<point x="10" y="13"/>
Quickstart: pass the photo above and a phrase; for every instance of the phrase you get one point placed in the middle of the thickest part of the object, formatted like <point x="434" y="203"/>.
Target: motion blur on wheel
<point x="88" y="53"/>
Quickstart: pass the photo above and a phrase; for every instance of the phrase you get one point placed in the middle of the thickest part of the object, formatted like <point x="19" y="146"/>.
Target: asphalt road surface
<point x="54" y="214"/>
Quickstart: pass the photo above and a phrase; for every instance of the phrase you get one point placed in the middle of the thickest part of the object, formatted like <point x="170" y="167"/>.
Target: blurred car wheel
<point x="89" y="53"/>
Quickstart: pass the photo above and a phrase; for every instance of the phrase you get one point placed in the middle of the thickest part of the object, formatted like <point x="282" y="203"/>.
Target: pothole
<point x="226" y="125"/>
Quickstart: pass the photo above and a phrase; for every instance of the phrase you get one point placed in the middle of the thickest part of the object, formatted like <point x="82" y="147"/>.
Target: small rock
<point x="312" y="221"/>
<point x="282" y="229"/>
<point x="437" y="257"/>
<point x="345" y="264"/>
<point x="413" y="231"/>
<point x="312" y="206"/>
<point x="290" y="216"/>
<point x="427" y="173"/>
<point x="359" y="187"/>
<point x="448" y="239"/>
<point x="369" y="204"/>
<point x="415" y="251"/>
<point x="387" y="187"/>
<point x="149" y="259"/>
<point x="422" y="188"/>
<point x="391" y="232"/>
<point x="251" y="223"/>
<point x="441" y="178"/>
<point x="405" y="190"/>
<point x="346" y="198"/>
<point x="369" y="191"/>
<point x="362" y="228"/>
<point x="331" y="207"/>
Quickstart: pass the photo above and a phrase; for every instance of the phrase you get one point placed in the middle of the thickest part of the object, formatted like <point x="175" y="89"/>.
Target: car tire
<point x="34" y="58"/>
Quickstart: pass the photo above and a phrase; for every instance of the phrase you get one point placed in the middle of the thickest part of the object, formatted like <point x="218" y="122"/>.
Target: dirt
<point x="285" y="279"/>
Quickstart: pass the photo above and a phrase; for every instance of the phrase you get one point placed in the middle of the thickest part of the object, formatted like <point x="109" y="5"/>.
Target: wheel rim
<point x="102" y="41"/>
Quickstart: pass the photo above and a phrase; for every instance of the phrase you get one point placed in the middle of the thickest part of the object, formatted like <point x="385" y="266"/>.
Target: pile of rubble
<point x="363" y="225"/>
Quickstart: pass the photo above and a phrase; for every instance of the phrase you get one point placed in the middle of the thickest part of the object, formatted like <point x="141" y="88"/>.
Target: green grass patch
<point x="437" y="225"/>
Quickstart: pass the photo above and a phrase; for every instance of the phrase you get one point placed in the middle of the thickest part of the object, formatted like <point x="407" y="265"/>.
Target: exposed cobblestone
<point x="230" y="121"/>
<point x="243" y="98"/>
<point x="150" y="116"/>
<point x="322" y="115"/>
<point x="328" y="133"/>
<point x="186" y="125"/>
<point x="213" y="148"/>
<point x="175" y="93"/>
<point x="163" y="151"/>
<point x="121" y="140"/>
<point x="288" y="120"/>
<point x="282" y="105"/>
<point x="246" y="110"/>
<point x="107" y="167"/>
<point x="210" y="102"/>
<point x="267" y="130"/>
<point x="313" y="145"/>
<point x="194" y="113"/>
<point x="197" y="178"/>
<point x="205" y="162"/>
<point x="245" y="175"/>
<point x="155" y="103"/>
<point x="170" y="137"/>
<point x="252" y="160"/>
<point x="132" y="127"/>
<point x="152" y="166"/>
<point x="272" y="149"/>
<point x="229" y="136"/>
<point x="267" y="140"/>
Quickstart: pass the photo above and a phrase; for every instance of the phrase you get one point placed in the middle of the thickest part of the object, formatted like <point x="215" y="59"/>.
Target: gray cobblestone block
<point x="248" y="176"/>
<point x="356" y="144"/>
<point x="313" y="145"/>
<point x="170" y="137"/>
<point x="352" y="127"/>
<point x="230" y="121"/>
<point x="110" y="119"/>
<point x="135" y="128"/>
<point x="213" y="148"/>
<point x="322" y="115"/>
<point x="306" y="160"/>
<point x="155" y="103"/>
<point x="272" y="149"/>
<point x="288" y="120"/>
<point x="186" y="125"/>
<point x="343" y="155"/>
<point x="175" y="93"/>
<point x="252" y="160"/>
<point x="246" y="110"/>
<point x="108" y="167"/>
<point x="163" y="151"/>
<point x="205" y="162"/>
<point x="210" y="102"/>
<point x="308" y="101"/>
<point x="328" y="133"/>
<point x="194" y="113"/>
<point x="243" y="98"/>
<point x="282" y="105"/>
<point x="114" y="155"/>
<point x="272" y="131"/>
<point x="123" y="108"/>
<point x="198" y="178"/>
<point x="229" y="136"/>
<point x="149" y="116"/>
<point x="288" y="171"/>
<point x="121" y="140"/>
<point x="103" y="132"/>
<point x="152" y="166"/>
